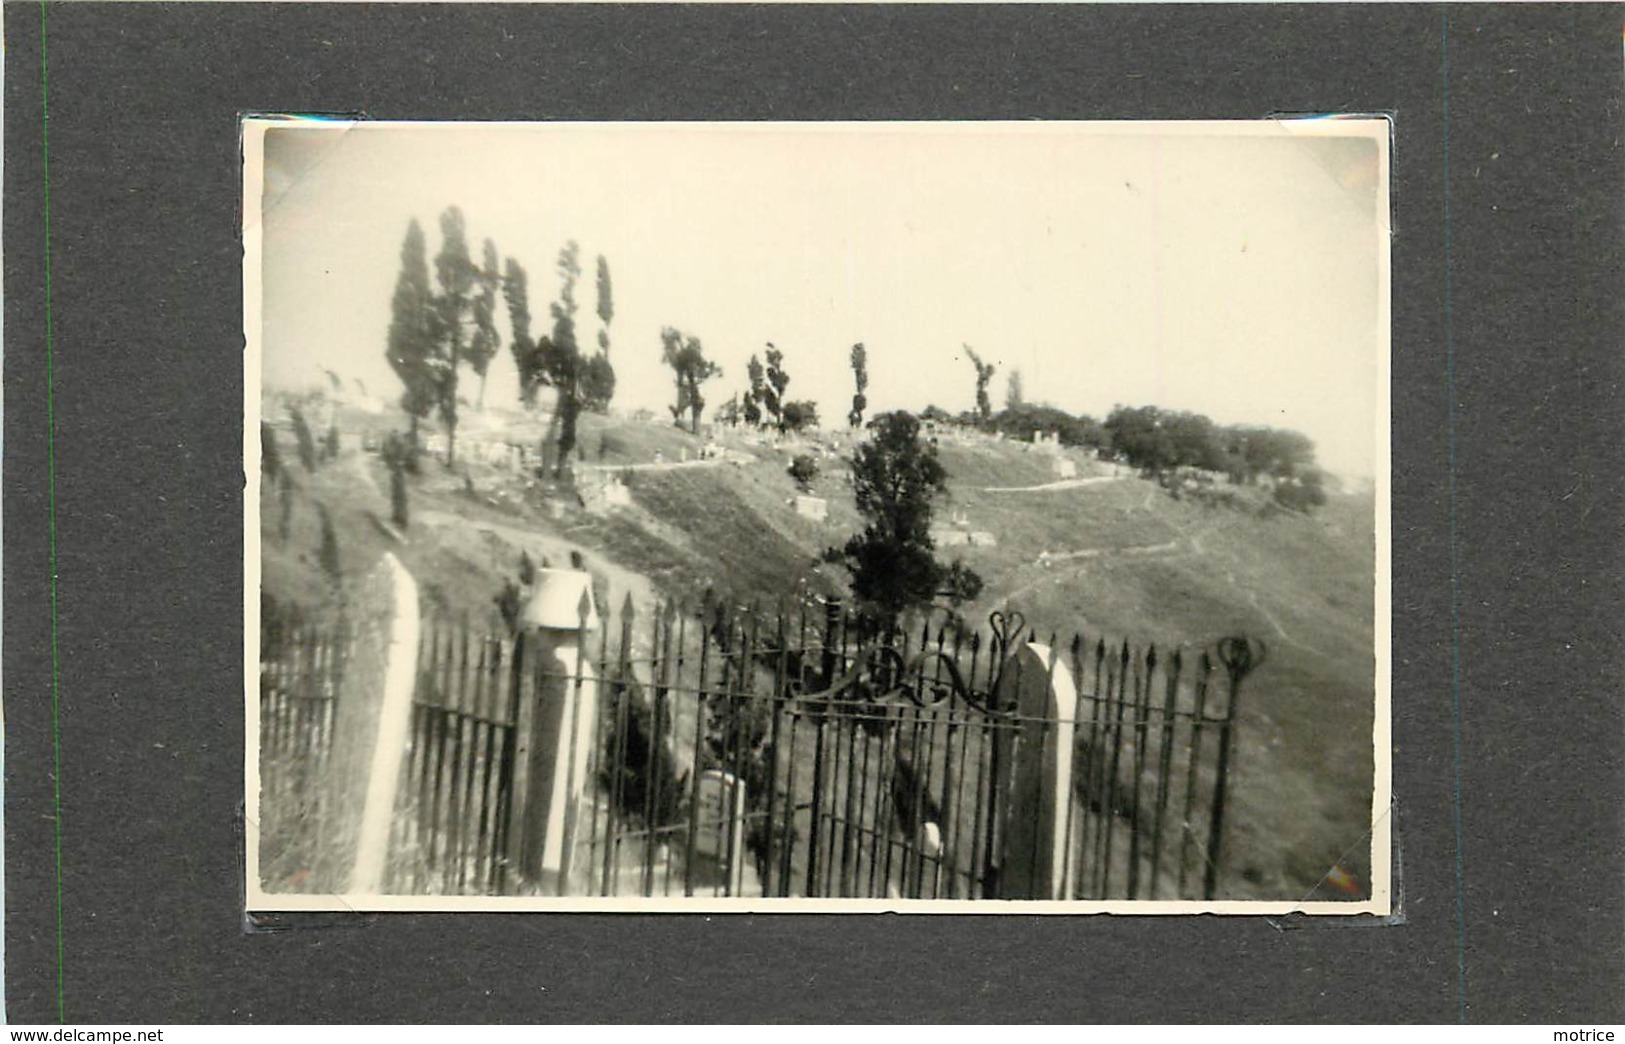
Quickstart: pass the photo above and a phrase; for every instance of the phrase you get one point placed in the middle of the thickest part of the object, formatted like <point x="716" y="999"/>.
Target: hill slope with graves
<point x="1075" y="544"/>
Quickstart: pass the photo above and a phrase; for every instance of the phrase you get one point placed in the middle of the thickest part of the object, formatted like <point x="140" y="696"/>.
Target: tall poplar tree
<point x="984" y="373"/>
<point x="860" y="377"/>
<point x="598" y="376"/>
<point x="411" y="341"/>
<point x="483" y="345"/>
<point x="753" y="397"/>
<point x="454" y="271"/>
<point x="562" y="355"/>
<point x="777" y="381"/>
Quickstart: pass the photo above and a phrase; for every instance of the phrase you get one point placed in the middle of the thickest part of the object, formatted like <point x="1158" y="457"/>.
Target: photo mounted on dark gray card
<point x="714" y="517"/>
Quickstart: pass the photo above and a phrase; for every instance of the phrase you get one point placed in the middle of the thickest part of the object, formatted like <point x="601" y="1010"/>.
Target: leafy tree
<point x="597" y="383"/>
<point x="1013" y="398"/>
<point x="729" y="413"/>
<point x="895" y="477"/>
<point x="800" y="414"/>
<point x="482" y="347"/>
<point x="860" y="377"/>
<point x="1193" y="441"/>
<point x="1137" y="437"/>
<point x="753" y="398"/>
<point x="777" y="381"/>
<point x="690" y="369"/>
<point x="984" y="373"/>
<point x="1021" y="421"/>
<point x="412" y="342"/>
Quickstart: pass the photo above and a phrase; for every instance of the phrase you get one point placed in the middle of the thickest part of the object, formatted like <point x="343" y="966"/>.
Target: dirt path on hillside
<point x="556" y="548"/>
<point x="1047" y="561"/>
<point x="1050" y="487"/>
<point x="668" y="465"/>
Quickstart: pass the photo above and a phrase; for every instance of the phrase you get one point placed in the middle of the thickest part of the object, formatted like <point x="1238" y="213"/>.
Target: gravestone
<point x="815" y="508"/>
<point x="1036" y="775"/>
<point x="371" y="718"/>
<point x="719" y="834"/>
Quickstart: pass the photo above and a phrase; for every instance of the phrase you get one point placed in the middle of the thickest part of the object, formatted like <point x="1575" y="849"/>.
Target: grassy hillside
<point x="1110" y="557"/>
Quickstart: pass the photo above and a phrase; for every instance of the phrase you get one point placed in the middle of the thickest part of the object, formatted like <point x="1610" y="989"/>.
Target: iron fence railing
<point x="790" y="751"/>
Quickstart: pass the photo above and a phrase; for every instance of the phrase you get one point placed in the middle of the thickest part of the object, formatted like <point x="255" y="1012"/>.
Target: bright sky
<point x="1238" y="270"/>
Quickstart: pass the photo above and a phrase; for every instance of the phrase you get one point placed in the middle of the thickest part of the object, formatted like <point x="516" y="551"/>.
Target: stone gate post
<point x="561" y="725"/>
<point x="372" y="715"/>
<point x="1036" y="792"/>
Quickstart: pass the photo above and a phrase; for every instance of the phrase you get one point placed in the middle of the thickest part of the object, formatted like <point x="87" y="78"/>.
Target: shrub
<point x="328" y="553"/>
<point x="307" y="444"/>
<point x="509" y="602"/>
<point x="270" y="456"/>
<point x="284" y="506"/>
<point x="397" y="496"/>
<point x="804" y="469"/>
<point x="1303" y="494"/>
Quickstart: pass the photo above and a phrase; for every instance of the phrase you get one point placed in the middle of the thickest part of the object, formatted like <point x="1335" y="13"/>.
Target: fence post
<point x="562" y="724"/>
<point x="369" y="733"/>
<point x="1240" y="657"/>
<point x="1037" y="779"/>
<point x="832" y="618"/>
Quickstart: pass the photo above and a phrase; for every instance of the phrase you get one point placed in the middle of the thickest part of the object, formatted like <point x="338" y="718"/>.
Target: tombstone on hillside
<point x="557" y="728"/>
<point x="815" y="508"/>
<point x="1066" y="468"/>
<point x="371" y="719"/>
<point x="719" y="835"/>
<point x="616" y="494"/>
<point x="1036" y="776"/>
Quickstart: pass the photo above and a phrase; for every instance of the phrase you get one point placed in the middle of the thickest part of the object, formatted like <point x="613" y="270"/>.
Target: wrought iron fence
<point x="787" y="752"/>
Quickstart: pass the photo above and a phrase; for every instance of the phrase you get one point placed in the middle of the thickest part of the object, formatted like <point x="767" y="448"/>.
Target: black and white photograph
<point x="728" y="517"/>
